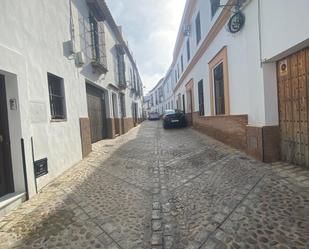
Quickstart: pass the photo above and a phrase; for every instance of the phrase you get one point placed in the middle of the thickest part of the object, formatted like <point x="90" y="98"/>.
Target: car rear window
<point x="169" y="112"/>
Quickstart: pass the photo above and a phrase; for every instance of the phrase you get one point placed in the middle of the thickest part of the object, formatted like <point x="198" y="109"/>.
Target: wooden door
<point x="6" y="175"/>
<point x="293" y="89"/>
<point x="97" y="113"/>
<point x="115" y="113"/>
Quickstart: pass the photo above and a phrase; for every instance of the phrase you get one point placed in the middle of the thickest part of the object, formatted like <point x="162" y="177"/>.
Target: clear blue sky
<point x="151" y="27"/>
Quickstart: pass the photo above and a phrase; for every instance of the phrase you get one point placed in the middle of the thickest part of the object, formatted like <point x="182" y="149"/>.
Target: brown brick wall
<point x="255" y="142"/>
<point x="230" y="129"/>
<point x="271" y="142"/>
<point x="128" y="124"/>
<point x="124" y="125"/>
<point x="189" y="118"/>
<point x="110" y="127"/>
<point x="118" y="126"/>
<point x="264" y="143"/>
<point x="85" y="134"/>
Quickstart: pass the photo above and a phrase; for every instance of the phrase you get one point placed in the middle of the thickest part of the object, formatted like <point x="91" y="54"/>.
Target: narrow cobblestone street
<point x="155" y="188"/>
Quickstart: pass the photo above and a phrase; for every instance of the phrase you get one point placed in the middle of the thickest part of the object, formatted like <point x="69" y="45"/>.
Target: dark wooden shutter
<point x="201" y="98"/>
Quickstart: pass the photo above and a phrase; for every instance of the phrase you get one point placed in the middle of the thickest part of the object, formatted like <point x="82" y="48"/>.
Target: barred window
<point x="94" y="38"/>
<point x="98" y="44"/>
<point x="121" y="66"/>
<point x="56" y="97"/>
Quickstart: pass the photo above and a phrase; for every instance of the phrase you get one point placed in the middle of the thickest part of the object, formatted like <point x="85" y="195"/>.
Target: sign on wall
<point x="236" y="23"/>
<point x="40" y="167"/>
<point x="283" y="68"/>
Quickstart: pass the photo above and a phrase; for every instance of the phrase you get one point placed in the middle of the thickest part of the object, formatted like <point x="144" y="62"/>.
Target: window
<point x="219" y="89"/>
<point x="115" y="105"/>
<point x="188" y="50"/>
<point x="198" y="28"/>
<point x="178" y="71"/>
<point x="215" y="4"/>
<point x="131" y="77"/>
<point x="123" y="105"/>
<point x="181" y="60"/>
<point x="156" y="95"/>
<point x="134" y="80"/>
<point x="56" y="97"/>
<point x="175" y="76"/>
<point x="183" y="104"/>
<point x="121" y="66"/>
<point x="94" y="38"/>
<point x="98" y="44"/>
<point x="201" y="98"/>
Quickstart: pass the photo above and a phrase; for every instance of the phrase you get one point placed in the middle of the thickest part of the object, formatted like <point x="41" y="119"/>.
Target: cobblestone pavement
<point x="166" y="189"/>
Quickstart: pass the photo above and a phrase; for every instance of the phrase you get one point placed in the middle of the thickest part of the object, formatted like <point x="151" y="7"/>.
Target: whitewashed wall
<point x="252" y="86"/>
<point x="33" y="42"/>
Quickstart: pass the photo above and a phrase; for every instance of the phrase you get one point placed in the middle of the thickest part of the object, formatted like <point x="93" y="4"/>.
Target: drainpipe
<point x="260" y="32"/>
<point x="24" y="168"/>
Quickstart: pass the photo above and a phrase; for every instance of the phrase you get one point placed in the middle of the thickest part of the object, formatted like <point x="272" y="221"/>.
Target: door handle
<point x="1" y="139"/>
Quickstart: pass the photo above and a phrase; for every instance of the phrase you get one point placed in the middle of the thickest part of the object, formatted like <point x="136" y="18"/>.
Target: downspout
<point x="72" y="31"/>
<point x="24" y="168"/>
<point x="260" y="32"/>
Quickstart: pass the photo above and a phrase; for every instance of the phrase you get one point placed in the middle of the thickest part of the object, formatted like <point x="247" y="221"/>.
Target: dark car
<point x="174" y="118"/>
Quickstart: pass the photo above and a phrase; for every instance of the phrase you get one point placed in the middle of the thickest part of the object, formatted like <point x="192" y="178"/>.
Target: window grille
<point x="56" y="97"/>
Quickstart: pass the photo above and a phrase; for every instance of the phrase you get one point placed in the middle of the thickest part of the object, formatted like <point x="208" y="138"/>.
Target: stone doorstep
<point x="10" y="202"/>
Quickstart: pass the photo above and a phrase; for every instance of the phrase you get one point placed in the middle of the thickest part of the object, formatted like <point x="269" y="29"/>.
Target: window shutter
<point x="102" y="44"/>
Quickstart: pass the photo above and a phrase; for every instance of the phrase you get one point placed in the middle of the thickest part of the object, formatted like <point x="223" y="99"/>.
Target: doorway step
<point x="10" y="202"/>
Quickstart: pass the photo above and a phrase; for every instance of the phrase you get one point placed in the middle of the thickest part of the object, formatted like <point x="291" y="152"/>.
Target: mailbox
<point x="40" y="167"/>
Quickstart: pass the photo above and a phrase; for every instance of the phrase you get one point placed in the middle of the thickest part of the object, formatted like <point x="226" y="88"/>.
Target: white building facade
<point x="240" y="71"/>
<point x="156" y="98"/>
<point x="67" y="80"/>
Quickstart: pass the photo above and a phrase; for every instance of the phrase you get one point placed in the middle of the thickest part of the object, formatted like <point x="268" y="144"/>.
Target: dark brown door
<point x="97" y="113"/>
<point x="135" y="114"/>
<point x="116" y="119"/>
<point x="293" y="90"/>
<point x="6" y="176"/>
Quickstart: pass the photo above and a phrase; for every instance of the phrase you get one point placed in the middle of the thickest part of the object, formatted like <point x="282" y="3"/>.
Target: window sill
<point x="58" y="120"/>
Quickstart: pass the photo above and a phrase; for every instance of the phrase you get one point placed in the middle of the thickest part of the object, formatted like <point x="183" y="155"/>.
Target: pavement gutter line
<point x="228" y="216"/>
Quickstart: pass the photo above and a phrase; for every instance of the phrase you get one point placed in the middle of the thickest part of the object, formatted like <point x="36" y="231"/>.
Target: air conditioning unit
<point x="79" y="59"/>
<point x="187" y="30"/>
<point x="71" y="46"/>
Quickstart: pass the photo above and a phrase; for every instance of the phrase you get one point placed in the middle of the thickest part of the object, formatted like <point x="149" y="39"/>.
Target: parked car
<point x="154" y="116"/>
<point x="174" y="118"/>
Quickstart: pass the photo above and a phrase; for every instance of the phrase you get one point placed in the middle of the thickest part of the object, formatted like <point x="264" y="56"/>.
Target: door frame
<point x="221" y="57"/>
<point x="190" y="99"/>
<point x="4" y="123"/>
<point x="103" y="99"/>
